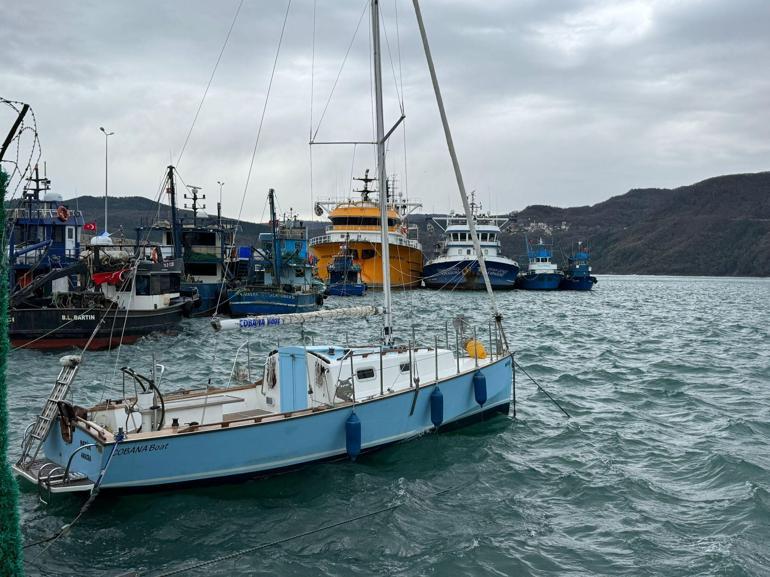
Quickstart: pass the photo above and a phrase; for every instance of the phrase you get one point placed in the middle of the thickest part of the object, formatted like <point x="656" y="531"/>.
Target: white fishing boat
<point x="312" y="403"/>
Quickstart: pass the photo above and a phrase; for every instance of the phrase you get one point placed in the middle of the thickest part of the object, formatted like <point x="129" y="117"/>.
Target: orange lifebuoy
<point x="62" y="213"/>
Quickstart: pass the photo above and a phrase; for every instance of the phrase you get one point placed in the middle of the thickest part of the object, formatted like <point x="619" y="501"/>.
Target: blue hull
<point x="266" y="302"/>
<point x="540" y="282"/>
<point x="346" y="290"/>
<point x="209" y="295"/>
<point x="465" y="275"/>
<point x="578" y="283"/>
<point x="258" y="447"/>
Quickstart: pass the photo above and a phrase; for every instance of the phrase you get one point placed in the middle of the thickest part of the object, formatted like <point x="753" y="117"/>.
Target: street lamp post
<point x="219" y="204"/>
<point x="106" y="148"/>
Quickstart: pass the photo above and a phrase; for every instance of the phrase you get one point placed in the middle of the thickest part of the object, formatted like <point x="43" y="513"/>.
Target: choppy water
<point x="664" y="468"/>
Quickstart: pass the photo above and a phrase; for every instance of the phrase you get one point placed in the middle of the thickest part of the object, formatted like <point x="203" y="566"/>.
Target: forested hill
<point x="720" y="226"/>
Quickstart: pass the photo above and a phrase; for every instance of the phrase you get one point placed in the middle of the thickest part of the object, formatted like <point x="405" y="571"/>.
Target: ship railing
<point x="461" y="337"/>
<point x="291" y="234"/>
<point x="394" y="239"/>
<point x="20" y="213"/>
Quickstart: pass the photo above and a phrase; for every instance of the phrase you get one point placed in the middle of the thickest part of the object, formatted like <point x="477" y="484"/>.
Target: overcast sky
<point x="561" y="102"/>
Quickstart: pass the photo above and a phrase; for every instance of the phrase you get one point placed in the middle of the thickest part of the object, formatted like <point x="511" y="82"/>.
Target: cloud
<point x="563" y="102"/>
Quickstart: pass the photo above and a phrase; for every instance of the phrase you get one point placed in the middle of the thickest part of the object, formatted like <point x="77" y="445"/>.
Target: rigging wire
<point x="257" y="139"/>
<point x="339" y="72"/>
<point x="208" y="85"/>
<point x="312" y="99"/>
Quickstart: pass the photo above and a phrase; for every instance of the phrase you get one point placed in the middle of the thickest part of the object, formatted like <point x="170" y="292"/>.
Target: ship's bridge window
<point x="361" y="221"/>
<point x="483" y="236"/>
<point x="454" y="236"/>
<point x="492" y="237"/>
<point x="202" y="238"/>
<point x="365" y="374"/>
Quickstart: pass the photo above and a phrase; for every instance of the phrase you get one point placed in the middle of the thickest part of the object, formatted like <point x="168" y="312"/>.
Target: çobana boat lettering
<point x="313" y="403"/>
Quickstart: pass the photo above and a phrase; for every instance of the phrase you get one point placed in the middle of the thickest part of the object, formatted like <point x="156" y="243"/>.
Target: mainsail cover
<point x="264" y="321"/>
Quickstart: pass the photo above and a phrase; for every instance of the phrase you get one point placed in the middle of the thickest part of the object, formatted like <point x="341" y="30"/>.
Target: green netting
<point x="11" y="559"/>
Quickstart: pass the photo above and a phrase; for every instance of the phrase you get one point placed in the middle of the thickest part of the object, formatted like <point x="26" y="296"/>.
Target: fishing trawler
<point x="43" y="234"/>
<point x="205" y="246"/>
<point x="577" y="276"/>
<point x="277" y="277"/>
<point x="313" y="403"/>
<point x="456" y="268"/>
<point x="67" y="294"/>
<point x="357" y="223"/>
<point x="542" y="274"/>
<point x="345" y="275"/>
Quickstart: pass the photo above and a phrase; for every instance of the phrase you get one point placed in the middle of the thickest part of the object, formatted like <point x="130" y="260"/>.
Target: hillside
<point x="720" y="226"/>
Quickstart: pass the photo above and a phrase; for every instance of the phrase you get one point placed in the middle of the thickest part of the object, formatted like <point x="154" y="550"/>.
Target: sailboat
<point x="314" y="402"/>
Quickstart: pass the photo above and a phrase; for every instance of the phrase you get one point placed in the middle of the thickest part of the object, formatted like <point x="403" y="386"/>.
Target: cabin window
<point x="368" y="253"/>
<point x="468" y="251"/>
<point x="142" y="284"/>
<point x="365" y="374"/>
<point x="70" y="233"/>
<point x="164" y="283"/>
<point x="483" y="236"/>
<point x="200" y="238"/>
<point x="361" y="221"/>
<point x="299" y="273"/>
<point x="486" y="251"/>
<point x="404" y="367"/>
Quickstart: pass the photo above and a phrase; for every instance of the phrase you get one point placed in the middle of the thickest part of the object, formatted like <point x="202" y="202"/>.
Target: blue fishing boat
<point x="279" y="276"/>
<point x="455" y="267"/>
<point x="578" y="275"/>
<point x="44" y="235"/>
<point x="345" y="275"/>
<point x="542" y="274"/>
<point x="313" y="403"/>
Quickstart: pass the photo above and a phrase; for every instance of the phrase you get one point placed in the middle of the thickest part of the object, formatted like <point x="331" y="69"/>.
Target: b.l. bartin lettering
<point x="83" y="317"/>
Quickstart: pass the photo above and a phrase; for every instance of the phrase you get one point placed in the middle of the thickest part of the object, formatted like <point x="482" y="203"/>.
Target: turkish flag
<point x="89" y="226"/>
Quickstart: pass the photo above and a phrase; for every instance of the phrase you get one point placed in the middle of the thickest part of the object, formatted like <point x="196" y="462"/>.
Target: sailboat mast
<point x="382" y="181"/>
<point x="453" y="155"/>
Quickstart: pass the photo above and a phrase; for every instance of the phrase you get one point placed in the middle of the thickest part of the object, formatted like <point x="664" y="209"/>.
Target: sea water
<point x="662" y="469"/>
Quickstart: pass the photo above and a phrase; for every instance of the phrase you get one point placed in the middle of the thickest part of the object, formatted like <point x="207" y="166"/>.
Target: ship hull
<point x="466" y="275"/>
<point x="406" y="263"/>
<point x="244" y="302"/>
<point x="262" y="447"/>
<point x="577" y="283"/>
<point x="346" y="290"/>
<point x="544" y="281"/>
<point x="60" y="328"/>
<point x="208" y="295"/>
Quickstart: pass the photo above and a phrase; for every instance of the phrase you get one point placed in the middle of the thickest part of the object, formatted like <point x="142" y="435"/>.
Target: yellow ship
<point x="356" y="223"/>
